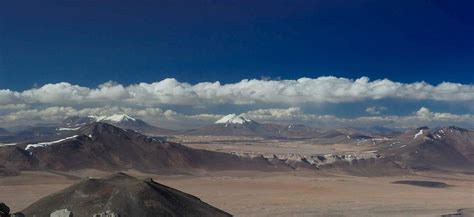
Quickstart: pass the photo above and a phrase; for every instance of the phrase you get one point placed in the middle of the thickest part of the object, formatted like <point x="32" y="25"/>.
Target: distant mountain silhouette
<point x="119" y="120"/>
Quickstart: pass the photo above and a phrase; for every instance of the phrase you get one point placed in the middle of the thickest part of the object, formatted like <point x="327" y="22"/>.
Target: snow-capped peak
<point x="233" y="119"/>
<point x="117" y="118"/>
<point x="97" y="118"/>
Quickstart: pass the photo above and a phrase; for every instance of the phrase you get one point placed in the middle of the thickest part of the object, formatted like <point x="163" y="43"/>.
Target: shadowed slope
<point x="439" y="148"/>
<point x="106" y="147"/>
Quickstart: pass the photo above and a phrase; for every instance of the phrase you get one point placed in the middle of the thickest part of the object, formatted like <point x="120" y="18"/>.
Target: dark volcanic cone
<point x="123" y="195"/>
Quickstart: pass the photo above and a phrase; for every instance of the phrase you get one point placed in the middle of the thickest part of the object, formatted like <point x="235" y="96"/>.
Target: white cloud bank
<point x="156" y="116"/>
<point x="246" y="92"/>
<point x="53" y="102"/>
<point x="419" y="118"/>
<point x="175" y="120"/>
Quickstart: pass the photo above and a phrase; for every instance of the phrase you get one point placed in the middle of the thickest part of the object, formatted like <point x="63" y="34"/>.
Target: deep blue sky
<point x="88" y="42"/>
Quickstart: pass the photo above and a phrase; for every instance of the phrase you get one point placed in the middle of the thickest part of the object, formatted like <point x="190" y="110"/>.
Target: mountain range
<point x="120" y="120"/>
<point x="52" y="131"/>
<point x="106" y="147"/>
<point x="230" y="125"/>
<point x="444" y="148"/>
<point x="99" y="142"/>
<point x="238" y="125"/>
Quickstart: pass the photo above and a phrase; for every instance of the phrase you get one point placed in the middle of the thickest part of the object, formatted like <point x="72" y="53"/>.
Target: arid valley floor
<point x="294" y="193"/>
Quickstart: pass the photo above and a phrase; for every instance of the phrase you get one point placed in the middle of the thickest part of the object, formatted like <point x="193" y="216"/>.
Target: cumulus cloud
<point x="13" y="107"/>
<point x="375" y="110"/>
<point x="246" y="92"/>
<point x="9" y="97"/>
<point x="60" y="93"/>
<point x="156" y="116"/>
<point x="279" y="100"/>
<point x="176" y="120"/>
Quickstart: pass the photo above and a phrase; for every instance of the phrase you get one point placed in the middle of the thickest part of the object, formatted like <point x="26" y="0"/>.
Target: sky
<point x="186" y="63"/>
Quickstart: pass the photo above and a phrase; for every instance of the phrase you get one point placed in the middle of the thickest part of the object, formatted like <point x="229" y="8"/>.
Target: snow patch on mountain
<point x="44" y="144"/>
<point x="315" y="160"/>
<point x="418" y="134"/>
<point x="7" y="144"/>
<point x="68" y="128"/>
<point x="117" y="118"/>
<point x="97" y="118"/>
<point x="233" y="119"/>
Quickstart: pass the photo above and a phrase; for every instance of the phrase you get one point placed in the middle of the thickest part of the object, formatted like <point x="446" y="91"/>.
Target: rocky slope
<point x="438" y="148"/>
<point x="444" y="148"/>
<point x="106" y="147"/>
<point x="122" y="195"/>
